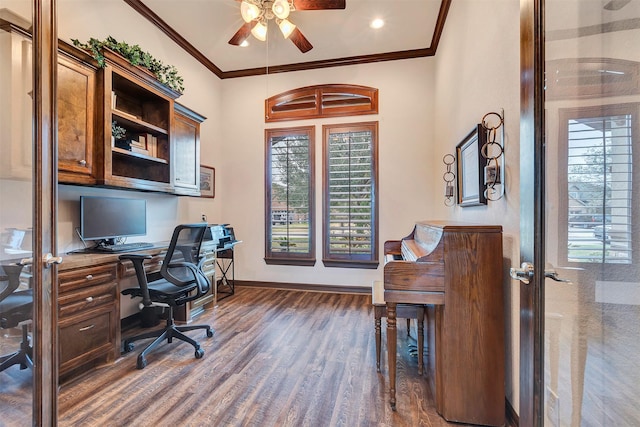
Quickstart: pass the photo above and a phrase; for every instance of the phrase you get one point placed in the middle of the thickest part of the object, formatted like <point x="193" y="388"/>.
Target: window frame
<point x="371" y="260"/>
<point x="566" y="114"/>
<point x="292" y="258"/>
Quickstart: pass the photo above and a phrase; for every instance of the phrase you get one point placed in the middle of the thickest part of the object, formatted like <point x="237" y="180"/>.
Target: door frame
<point x="532" y="208"/>
<point x="45" y="371"/>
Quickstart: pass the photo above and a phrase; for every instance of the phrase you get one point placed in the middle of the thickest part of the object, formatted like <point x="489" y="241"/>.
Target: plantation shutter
<point x="600" y="175"/>
<point x="350" y="191"/>
<point x="290" y="195"/>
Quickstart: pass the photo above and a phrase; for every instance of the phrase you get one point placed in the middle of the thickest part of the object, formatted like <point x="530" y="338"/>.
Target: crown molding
<point x="147" y="13"/>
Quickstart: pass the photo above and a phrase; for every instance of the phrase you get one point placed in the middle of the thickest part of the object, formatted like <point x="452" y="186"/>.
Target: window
<point x="599" y="191"/>
<point x="289" y="196"/>
<point x="350" y="223"/>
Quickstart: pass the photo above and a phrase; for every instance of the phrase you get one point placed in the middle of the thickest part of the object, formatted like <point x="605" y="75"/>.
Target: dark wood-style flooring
<point x="278" y="358"/>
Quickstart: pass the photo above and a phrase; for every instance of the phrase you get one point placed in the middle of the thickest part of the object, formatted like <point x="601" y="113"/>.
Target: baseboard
<point x="339" y="289"/>
<point x="513" y="420"/>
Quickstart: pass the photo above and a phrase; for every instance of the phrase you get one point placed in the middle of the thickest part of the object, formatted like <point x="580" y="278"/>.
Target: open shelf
<point x="132" y="122"/>
<point x="138" y="155"/>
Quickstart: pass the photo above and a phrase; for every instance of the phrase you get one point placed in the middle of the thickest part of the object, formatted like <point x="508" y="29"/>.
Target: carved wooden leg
<point x="378" y="315"/>
<point x="420" y="322"/>
<point x="391" y="351"/>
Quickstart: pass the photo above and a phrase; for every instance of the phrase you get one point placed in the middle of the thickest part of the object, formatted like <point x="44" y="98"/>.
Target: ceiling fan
<point x="256" y="14"/>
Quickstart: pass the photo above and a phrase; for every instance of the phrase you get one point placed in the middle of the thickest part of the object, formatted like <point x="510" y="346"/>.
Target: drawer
<point x="84" y="338"/>
<point x="150" y="265"/>
<point x="83" y="299"/>
<point x="79" y="278"/>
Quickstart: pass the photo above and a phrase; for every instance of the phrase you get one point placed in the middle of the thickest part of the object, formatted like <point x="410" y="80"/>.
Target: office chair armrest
<point x="198" y="275"/>
<point x="138" y="265"/>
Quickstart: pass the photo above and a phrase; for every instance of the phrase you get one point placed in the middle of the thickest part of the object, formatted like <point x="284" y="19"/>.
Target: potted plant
<point x="118" y="134"/>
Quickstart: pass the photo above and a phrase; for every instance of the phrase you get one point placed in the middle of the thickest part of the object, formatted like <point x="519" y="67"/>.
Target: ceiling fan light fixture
<point x="259" y="31"/>
<point x="281" y="9"/>
<point x="249" y="11"/>
<point x="377" y="23"/>
<point x="286" y="27"/>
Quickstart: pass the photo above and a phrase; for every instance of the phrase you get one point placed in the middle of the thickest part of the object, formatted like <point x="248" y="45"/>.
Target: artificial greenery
<point x="118" y="132"/>
<point x="166" y="74"/>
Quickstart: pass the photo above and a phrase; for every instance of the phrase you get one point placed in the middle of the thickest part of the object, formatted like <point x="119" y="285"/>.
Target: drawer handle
<point x="86" y="328"/>
<point x="82" y="162"/>
<point x="89" y="277"/>
<point x="88" y="299"/>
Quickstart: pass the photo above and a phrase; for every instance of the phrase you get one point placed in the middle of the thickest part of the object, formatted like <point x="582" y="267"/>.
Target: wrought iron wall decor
<point x="493" y="152"/>
<point x="449" y="177"/>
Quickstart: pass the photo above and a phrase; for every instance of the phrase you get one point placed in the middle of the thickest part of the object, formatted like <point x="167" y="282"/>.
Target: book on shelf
<point x="140" y="142"/>
<point x="113" y="99"/>
<point x="152" y="145"/>
<point x="139" y="150"/>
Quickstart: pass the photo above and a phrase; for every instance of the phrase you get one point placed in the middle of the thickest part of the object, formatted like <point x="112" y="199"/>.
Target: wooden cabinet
<point x="186" y="151"/>
<point x="88" y="317"/>
<point x="135" y="101"/>
<point x="76" y="120"/>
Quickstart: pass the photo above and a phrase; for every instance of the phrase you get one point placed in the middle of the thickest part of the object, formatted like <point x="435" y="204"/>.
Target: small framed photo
<point x="470" y="168"/>
<point x="207" y="181"/>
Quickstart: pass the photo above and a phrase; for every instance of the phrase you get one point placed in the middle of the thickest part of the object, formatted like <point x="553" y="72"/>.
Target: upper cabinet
<point x="142" y="139"/>
<point x="156" y="146"/>
<point x="76" y="119"/>
<point x="186" y="150"/>
<point x="136" y="103"/>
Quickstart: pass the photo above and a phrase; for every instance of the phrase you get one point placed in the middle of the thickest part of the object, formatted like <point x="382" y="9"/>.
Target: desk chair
<point x="404" y="311"/>
<point x="15" y="308"/>
<point x="179" y="281"/>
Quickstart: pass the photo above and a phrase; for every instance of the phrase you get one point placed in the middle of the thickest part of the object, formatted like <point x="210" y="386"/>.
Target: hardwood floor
<point x="278" y="358"/>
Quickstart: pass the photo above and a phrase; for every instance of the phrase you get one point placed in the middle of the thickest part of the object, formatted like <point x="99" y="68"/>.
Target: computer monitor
<point x="108" y="218"/>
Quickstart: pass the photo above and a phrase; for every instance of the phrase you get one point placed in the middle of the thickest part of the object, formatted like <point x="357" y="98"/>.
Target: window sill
<point x="350" y="263"/>
<point x="305" y="262"/>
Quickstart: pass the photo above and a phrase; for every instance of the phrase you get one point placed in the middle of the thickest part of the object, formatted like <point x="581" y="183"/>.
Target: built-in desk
<point x="89" y="305"/>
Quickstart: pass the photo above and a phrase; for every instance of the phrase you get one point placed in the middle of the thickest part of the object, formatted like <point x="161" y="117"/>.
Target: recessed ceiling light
<point x="377" y="23"/>
<point x="244" y="44"/>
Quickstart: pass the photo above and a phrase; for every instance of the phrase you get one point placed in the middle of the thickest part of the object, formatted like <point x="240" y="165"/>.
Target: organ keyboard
<point x="455" y="269"/>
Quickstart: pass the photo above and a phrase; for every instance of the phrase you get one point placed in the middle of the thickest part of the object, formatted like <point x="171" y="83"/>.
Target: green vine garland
<point x="166" y="74"/>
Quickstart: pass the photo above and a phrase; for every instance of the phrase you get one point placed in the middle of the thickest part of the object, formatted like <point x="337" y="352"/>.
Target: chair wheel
<point x="128" y="347"/>
<point x="199" y="353"/>
<point x="142" y="362"/>
<point x="209" y="333"/>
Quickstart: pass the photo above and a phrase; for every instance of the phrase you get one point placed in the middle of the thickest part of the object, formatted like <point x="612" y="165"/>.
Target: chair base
<point x="22" y="357"/>
<point x="170" y="332"/>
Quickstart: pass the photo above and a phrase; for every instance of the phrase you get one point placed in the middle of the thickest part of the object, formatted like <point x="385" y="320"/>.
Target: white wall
<point x="478" y="71"/>
<point x="406" y="179"/>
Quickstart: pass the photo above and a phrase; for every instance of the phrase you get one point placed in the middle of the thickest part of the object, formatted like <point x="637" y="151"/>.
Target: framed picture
<point x="207" y="181"/>
<point x="470" y="168"/>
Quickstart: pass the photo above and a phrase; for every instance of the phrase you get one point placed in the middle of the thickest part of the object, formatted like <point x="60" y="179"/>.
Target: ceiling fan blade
<point x="616" y="4"/>
<point x="242" y="34"/>
<point x="300" y="41"/>
<point x="319" y="4"/>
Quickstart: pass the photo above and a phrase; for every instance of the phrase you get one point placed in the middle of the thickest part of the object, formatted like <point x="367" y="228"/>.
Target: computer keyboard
<point x="124" y="247"/>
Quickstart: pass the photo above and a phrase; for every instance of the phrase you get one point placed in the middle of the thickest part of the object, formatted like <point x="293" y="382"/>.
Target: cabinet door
<point x="186" y="150"/>
<point x="76" y="115"/>
<point x="186" y="154"/>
